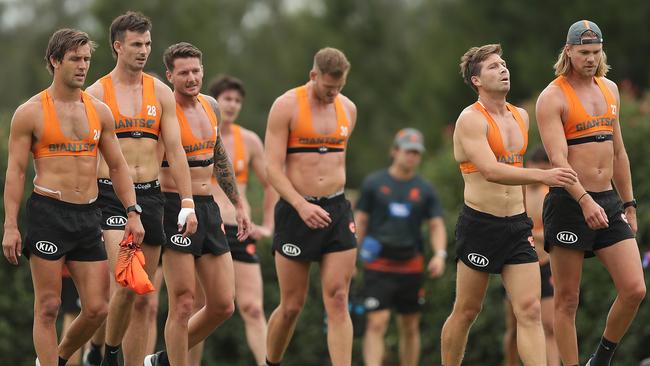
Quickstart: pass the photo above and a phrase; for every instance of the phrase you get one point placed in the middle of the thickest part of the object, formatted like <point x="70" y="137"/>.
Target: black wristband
<point x="629" y="204"/>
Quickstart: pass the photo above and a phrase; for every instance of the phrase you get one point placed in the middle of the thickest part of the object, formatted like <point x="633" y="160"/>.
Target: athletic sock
<point x="95" y="354"/>
<point x="62" y="362"/>
<point x="110" y="355"/>
<point x="604" y="353"/>
<point x="269" y="363"/>
<point x="162" y="357"/>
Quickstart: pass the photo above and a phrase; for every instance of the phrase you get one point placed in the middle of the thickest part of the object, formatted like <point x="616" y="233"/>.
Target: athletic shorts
<point x="387" y="290"/>
<point x="486" y="243"/>
<point x="56" y="228"/>
<point x="295" y="240"/>
<point x="565" y="225"/>
<point x="149" y="198"/>
<point x="70" y="303"/>
<point x="241" y="251"/>
<point x="547" y="282"/>
<point x="209" y="237"/>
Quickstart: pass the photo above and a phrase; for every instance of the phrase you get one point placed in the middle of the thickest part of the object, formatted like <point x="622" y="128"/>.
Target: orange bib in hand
<point x="129" y="270"/>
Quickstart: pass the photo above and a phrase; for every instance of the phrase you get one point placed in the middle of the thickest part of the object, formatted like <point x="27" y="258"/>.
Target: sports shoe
<point x="37" y="363"/>
<point x="153" y="360"/>
<point x="590" y="358"/>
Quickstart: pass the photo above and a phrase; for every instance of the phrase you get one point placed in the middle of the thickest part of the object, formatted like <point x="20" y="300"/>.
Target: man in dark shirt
<point x="393" y="204"/>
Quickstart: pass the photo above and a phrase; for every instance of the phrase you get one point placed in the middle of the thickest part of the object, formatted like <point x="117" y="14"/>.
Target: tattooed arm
<point x="225" y="175"/>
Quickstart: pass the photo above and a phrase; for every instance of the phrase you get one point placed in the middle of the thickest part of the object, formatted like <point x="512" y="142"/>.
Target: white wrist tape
<point x="183" y="214"/>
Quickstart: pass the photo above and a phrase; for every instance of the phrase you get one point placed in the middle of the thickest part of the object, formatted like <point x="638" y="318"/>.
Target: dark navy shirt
<point x="396" y="211"/>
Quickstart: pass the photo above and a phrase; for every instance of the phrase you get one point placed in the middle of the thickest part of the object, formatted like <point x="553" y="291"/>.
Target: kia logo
<point x="181" y="241"/>
<point x="116" y="221"/>
<point x="478" y="259"/>
<point x="291" y="250"/>
<point x="567" y="237"/>
<point x="371" y="303"/>
<point x="46" y="247"/>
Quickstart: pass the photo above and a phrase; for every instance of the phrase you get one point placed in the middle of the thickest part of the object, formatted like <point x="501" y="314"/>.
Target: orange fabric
<point x="239" y="155"/>
<point x="496" y="141"/>
<point x="52" y="141"/>
<point x="579" y="123"/>
<point x="413" y="265"/>
<point x="129" y="269"/>
<point x="538" y="224"/>
<point x="192" y="145"/>
<point x="303" y="135"/>
<point x="148" y="120"/>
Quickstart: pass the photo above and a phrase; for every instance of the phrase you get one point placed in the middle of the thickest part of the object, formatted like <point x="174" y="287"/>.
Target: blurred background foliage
<point x="404" y="57"/>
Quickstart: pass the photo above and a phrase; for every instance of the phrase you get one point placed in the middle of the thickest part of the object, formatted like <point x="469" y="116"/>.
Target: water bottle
<point x="370" y="248"/>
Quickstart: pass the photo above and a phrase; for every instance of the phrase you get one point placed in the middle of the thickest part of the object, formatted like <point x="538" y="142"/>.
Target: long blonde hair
<point x="563" y="64"/>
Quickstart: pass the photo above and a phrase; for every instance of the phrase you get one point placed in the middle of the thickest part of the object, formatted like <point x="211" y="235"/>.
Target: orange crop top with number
<point x="147" y="123"/>
<point x="52" y="141"/>
<point x="496" y="141"/>
<point x="579" y="123"/>
<point x="192" y="145"/>
<point x="239" y="155"/>
<point x="303" y="138"/>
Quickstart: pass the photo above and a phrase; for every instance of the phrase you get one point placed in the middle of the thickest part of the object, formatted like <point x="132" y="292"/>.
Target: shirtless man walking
<point x="145" y="111"/>
<point x="493" y="234"/>
<point x="205" y="254"/>
<point x="64" y="128"/>
<point x="306" y="137"/>
<point x="247" y="155"/>
<point x="577" y="116"/>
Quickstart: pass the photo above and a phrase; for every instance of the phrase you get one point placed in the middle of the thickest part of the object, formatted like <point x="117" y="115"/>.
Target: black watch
<point x="135" y="208"/>
<point x="629" y="204"/>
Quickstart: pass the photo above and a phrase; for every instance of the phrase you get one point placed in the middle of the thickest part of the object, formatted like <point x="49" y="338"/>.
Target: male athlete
<point x="306" y="136"/>
<point x="246" y="151"/>
<point x="64" y="128"/>
<point x="393" y="205"/>
<point x="535" y="194"/>
<point x="578" y="121"/>
<point x="206" y="252"/>
<point x="144" y="112"/>
<point x="493" y="233"/>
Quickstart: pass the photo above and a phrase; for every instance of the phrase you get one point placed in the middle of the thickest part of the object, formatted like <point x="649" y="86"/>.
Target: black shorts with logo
<point x="70" y="303"/>
<point x="295" y="240"/>
<point x="241" y="251"/>
<point x="56" y="228"/>
<point x="149" y="198"/>
<point x="547" y="283"/>
<point x="565" y="225"/>
<point x="209" y="237"/>
<point x="386" y="290"/>
<point x="486" y="243"/>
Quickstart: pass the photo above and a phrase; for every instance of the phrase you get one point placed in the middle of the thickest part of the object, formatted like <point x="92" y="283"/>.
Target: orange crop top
<point x="53" y="143"/>
<point x="303" y="138"/>
<point x="579" y="123"/>
<point x="147" y="123"/>
<point x="239" y="155"/>
<point x="496" y="142"/>
<point x="192" y="145"/>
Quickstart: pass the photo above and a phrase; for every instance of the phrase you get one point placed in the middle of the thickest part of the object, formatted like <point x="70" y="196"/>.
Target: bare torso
<point x="482" y="195"/>
<point x="315" y="174"/>
<point x="68" y="178"/>
<point x="201" y="128"/>
<point x="140" y="153"/>
<point x="594" y="162"/>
